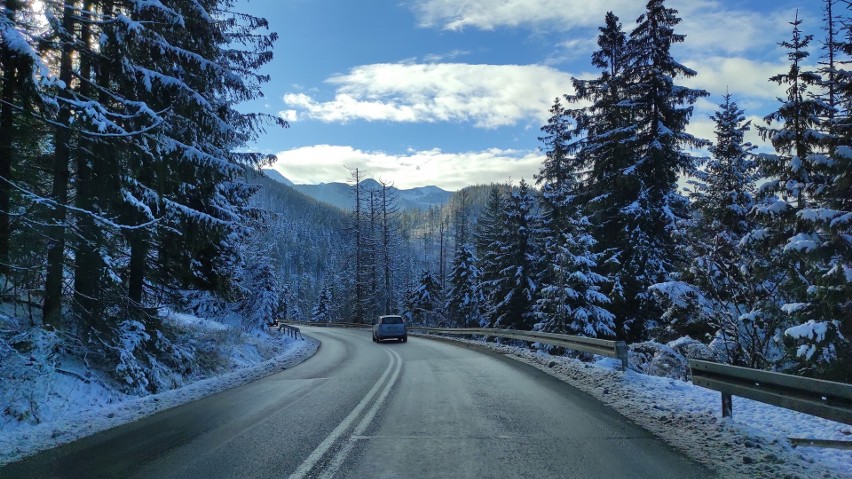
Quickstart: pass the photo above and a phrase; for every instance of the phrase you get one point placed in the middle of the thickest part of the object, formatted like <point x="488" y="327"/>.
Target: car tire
<point x="374" y="339"/>
<point x="405" y="339"/>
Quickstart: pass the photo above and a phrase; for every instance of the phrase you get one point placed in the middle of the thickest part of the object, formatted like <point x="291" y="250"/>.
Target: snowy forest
<point x="125" y="179"/>
<point x="127" y="185"/>
<point x="635" y="235"/>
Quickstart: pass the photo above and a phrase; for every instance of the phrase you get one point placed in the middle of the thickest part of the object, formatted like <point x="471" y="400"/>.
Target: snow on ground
<point x="752" y="444"/>
<point x="72" y="401"/>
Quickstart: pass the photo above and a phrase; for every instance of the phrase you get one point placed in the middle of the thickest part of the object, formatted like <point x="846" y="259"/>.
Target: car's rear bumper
<point x="393" y="335"/>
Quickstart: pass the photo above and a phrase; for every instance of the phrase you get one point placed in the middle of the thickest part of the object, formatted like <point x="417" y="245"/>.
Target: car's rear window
<point x="392" y="320"/>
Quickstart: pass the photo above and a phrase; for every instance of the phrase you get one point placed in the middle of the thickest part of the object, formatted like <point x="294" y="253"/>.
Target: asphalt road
<point x="362" y="410"/>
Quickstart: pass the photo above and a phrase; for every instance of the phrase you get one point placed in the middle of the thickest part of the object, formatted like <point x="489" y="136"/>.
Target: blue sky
<point x="453" y="93"/>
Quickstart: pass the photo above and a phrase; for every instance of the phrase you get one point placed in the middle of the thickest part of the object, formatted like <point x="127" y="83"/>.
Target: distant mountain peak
<point x="340" y="194"/>
<point x="276" y="175"/>
<point x="371" y="184"/>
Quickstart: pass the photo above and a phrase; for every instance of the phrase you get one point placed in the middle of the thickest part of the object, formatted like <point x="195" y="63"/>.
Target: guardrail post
<point x="621" y="353"/>
<point x="727" y="405"/>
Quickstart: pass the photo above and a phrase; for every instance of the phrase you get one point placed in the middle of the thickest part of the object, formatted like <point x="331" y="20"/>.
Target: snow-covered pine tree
<point x="488" y="242"/>
<point x="786" y="203"/>
<point x="95" y="123"/>
<point x="423" y="303"/>
<point x="517" y="260"/>
<point x="463" y="300"/>
<point x="572" y="302"/>
<point x="643" y="207"/>
<point x="25" y="83"/>
<point x="832" y="218"/>
<point x="716" y="296"/>
<point x="17" y="93"/>
<point x="569" y="299"/>
<point x="822" y="328"/>
<point x="262" y="305"/>
<point x="558" y="174"/>
<point x="322" y="312"/>
<point x="208" y="62"/>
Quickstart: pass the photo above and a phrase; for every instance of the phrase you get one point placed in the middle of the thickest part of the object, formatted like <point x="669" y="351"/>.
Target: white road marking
<point x="344" y="451"/>
<point x="344" y="425"/>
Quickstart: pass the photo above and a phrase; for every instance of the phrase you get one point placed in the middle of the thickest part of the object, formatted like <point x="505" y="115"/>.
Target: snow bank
<point x="51" y="399"/>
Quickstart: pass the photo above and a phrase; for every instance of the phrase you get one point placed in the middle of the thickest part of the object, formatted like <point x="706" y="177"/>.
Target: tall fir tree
<point x="488" y="242"/>
<point x="322" y="312"/>
<point x="463" y="302"/>
<point x="423" y="303"/>
<point x="786" y="204"/>
<point x="717" y="296"/>
<point x="569" y="298"/>
<point x="517" y="263"/>
<point x="635" y="146"/>
<point x="820" y="245"/>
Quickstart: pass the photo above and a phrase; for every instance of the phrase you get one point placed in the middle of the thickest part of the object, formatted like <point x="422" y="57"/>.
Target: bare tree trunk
<point x="136" y="274"/>
<point x="7" y="152"/>
<point x="386" y="249"/>
<point x="52" y="306"/>
<point x="88" y="268"/>
<point x="359" y="290"/>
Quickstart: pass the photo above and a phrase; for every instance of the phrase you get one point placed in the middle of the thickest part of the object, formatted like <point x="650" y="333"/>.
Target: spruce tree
<point x="322" y="312"/>
<point x="423" y="303"/>
<point x="569" y="299"/>
<point x="659" y="111"/>
<point x="463" y="302"/>
<point x="634" y="144"/>
<point x="517" y="263"/>
<point x="785" y="205"/>
<point x="488" y="242"/>
<point x="821" y="310"/>
<point x="716" y="297"/>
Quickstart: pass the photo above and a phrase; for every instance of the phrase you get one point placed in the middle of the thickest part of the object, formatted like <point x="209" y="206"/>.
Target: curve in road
<point x="357" y="409"/>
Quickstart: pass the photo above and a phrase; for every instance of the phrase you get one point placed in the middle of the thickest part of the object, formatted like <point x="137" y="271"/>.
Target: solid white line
<point x="315" y="456"/>
<point x="343" y="453"/>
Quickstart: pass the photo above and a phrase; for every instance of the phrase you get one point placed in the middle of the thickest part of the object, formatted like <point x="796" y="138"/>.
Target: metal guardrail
<point x="324" y="324"/>
<point x="826" y="399"/>
<point x="602" y="347"/>
<point x="289" y="330"/>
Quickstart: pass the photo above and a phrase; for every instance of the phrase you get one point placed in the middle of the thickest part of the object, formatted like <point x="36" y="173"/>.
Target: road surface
<point x="357" y="409"/>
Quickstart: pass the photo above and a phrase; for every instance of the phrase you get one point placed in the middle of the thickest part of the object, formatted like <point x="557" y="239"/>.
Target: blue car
<point x="390" y="327"/>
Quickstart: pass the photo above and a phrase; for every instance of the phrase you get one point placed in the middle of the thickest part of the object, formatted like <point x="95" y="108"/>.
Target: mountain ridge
<point x="339" y="194"/>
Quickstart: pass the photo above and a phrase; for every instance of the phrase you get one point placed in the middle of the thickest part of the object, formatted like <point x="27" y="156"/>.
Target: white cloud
<point x="443" y="57"/>
<point x="491" y="14"/>
<point x="710" y="27"/>
<point x="488" y="96"/>
<point x="709" y="24"/>
<point x="289" y="115"/>
<point x="451" y="171"/>
<point x="743" y="77"/>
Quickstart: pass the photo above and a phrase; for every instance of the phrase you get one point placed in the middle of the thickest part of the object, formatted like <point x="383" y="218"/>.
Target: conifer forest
<point x="128" y="187"/>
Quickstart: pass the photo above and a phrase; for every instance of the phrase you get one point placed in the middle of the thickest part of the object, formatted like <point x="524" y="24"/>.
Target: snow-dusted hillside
<point x="273" y="174"/>
<point x="50" y="397"/>
<point x="340" y="194"/>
